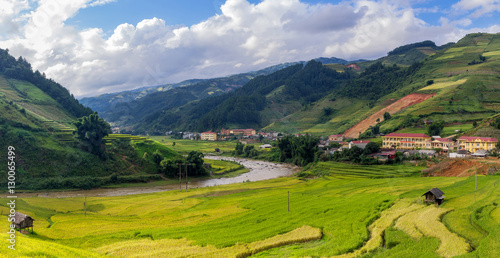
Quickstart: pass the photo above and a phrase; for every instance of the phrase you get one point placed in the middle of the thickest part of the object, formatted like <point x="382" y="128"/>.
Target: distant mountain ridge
<point x="164" y="111"/>
<point x="332" y="98"/>
<point x="103" y="103"/>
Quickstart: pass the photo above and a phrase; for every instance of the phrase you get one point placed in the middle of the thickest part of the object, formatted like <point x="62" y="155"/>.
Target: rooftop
<point x="408" y="135"/>
<point x="475" y="138"/>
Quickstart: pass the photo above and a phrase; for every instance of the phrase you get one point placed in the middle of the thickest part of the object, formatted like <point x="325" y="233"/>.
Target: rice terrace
<point x="357" y="212"/>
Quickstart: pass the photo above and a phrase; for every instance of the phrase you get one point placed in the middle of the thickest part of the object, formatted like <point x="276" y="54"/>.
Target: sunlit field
<point x="345" y="213"/>
<point x="185" y="146"/>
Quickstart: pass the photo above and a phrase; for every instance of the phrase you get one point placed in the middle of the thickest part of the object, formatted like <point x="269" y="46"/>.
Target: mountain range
<point x="320" y="97"/>
<point x="455" y="84"/>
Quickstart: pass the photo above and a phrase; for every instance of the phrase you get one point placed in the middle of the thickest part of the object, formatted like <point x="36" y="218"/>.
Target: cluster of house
<point x="243" y="133"/>
<point x="464" y="145"/>
<point x="412" y="143"/>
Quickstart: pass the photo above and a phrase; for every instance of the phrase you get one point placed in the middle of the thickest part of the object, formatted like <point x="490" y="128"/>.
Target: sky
<point x="93" y="47"/>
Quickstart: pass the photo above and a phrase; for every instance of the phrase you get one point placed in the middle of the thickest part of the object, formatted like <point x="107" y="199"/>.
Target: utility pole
<point x="180" y="174"/>
<point x="186" y="176"/>
<point x="85" y="206"/>
<point x="180" y="177"/>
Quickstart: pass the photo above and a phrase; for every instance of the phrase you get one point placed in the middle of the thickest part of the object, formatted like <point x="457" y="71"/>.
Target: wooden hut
<point x="23" y="221"/>
<point x="434" y="195"/>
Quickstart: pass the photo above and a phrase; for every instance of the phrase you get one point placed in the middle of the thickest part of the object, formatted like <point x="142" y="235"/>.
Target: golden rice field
<point x="329" y="216"/>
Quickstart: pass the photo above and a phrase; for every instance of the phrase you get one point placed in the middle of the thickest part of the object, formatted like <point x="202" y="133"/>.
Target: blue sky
<point x="98" y="46"/>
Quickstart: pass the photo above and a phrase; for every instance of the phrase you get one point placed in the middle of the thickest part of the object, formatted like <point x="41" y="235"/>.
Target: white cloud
<point x="10" y="16"/>
<point x="101" y="2"/>
<point x="477" y="7"/>
<point x="243" y="37"/>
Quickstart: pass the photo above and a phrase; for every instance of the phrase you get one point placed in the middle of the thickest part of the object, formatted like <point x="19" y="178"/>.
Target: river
<point x="259" y="170"/>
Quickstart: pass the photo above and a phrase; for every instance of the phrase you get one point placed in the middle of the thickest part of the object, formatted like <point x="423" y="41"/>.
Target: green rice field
<point x="185" y="146"/>
<point x="350" y="211"/>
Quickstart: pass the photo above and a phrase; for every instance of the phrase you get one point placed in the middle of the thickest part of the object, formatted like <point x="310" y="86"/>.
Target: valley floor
<point x="328" y="216"/>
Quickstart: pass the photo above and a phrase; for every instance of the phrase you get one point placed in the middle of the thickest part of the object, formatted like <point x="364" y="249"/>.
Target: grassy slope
<point x="343" y="208"/>
<point x="465" y="93"/>
<point x="40" y="129"/>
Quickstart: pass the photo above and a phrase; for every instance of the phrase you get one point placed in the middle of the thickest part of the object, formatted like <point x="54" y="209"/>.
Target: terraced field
<point x="344" y="213"/>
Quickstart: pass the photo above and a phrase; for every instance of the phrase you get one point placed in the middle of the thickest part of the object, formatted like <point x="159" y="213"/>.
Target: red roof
<point x="474" y="138"/>
<point x="407" y="135"/>
<point x="241" y="130"/>
<point x="335" y="135"/>
<point x="209" y="133"/>
<point x="355" y="142"/>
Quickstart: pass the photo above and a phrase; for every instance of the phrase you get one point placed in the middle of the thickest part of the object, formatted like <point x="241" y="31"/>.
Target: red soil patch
<point x="463" y="168"/>
<point x="407" y="101"/>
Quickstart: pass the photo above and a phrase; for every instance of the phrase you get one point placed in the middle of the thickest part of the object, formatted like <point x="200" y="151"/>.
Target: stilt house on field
<point x="434" y="195"/>
<point x="23" y="221"/>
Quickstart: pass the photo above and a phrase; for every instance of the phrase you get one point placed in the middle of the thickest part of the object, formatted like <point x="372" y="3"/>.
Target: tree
<point x="196" y="159"/>
<point x="334" y="145"/>
<point x="170" y="167"/>
<point x="496" y="123"/>
<point x="375" y="129"/>
<point x="474" y="124"/>
<point x="387" y="116"/>
<point x="157" y="157"/>
<point x="435" y="128"/>
<point x="238" y="149"/>
<point x="90" y="131"/>
<point x="327" y="111"/>
<point x="250" y="151"/>
<point x="398" y="157"/>
<point x="372" y="147"/>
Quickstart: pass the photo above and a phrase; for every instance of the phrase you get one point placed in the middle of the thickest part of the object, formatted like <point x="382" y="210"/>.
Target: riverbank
<point x="258" y="171"/>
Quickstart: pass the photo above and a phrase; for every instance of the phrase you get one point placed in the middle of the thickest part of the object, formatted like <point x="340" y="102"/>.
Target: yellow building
<point x="336" y="138"/>
<point x="407" y="141"/>
<point x="473" y="143"/>
<point x="209" y="136"/>
<point x="442" y="143"/>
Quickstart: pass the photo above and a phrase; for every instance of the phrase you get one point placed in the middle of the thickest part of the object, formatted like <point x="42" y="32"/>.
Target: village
<point x="406" y="143"/>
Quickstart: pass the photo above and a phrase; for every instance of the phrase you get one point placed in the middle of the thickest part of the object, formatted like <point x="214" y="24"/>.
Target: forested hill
<point x="52" y="147"/>
<point x="456" y="85"/>
<point x="130" y="107"/>
<point x="295" y="86"/>
<point x="409" y="54"/>
<point x="20" y="69"/>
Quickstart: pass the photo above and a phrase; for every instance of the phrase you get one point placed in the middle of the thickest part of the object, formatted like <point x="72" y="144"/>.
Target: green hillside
<point x="464" y="78"/>
<point x="312" y="98"/>
<point x="261" y="101"/>
<point x="37" y="118"/>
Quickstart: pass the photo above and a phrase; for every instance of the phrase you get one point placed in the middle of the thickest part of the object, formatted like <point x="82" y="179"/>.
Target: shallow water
<point x="259" y="170"/>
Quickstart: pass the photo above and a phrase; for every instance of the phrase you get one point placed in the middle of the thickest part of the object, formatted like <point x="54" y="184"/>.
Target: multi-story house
<point x="473" y="143"/>
<point x="209" y="136"/>
<point x="407" y="141"/>
<point x="442" y="143"/>
<point x="244" y="132"/>
<point x="336" y="138"/>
